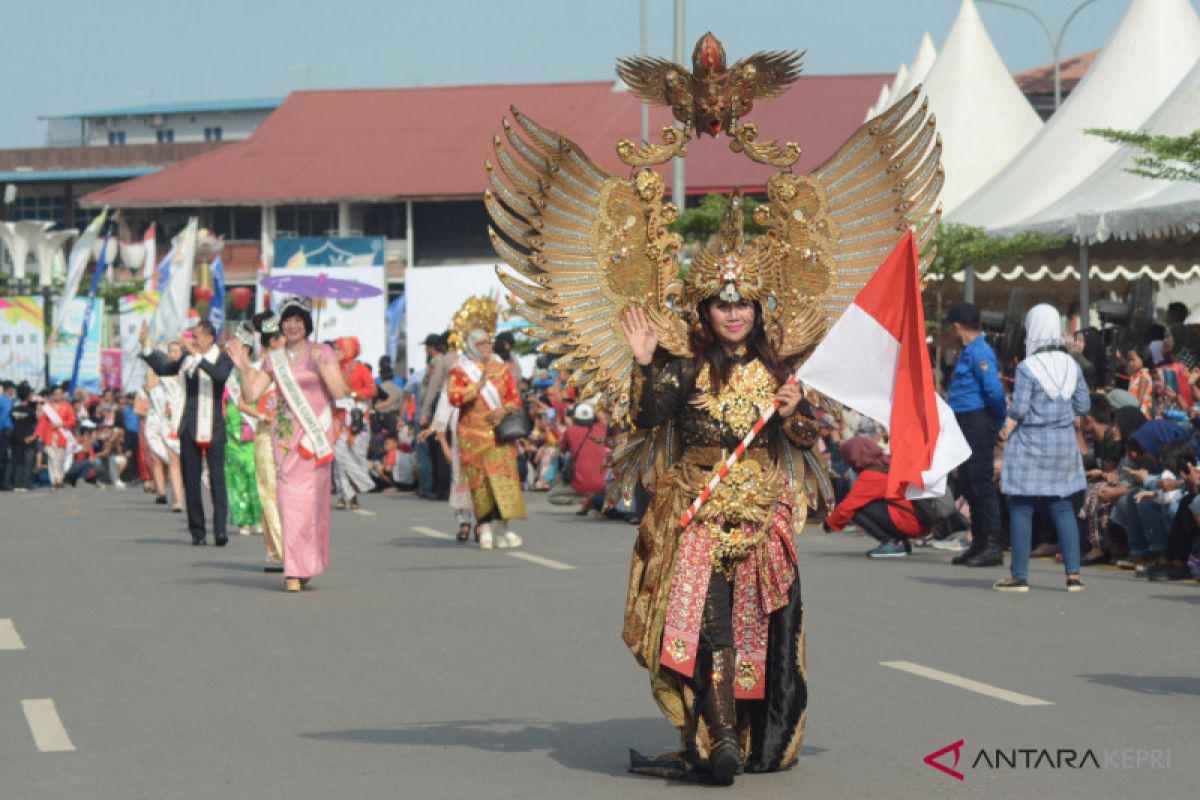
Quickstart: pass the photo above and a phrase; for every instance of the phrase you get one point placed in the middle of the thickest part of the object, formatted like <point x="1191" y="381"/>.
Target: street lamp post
<point x="1055" y="41"/>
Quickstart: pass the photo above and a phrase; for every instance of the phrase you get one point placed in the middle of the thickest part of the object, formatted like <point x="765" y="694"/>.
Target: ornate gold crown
<point x="479" y="312"/>
<point x="730" y="270"/>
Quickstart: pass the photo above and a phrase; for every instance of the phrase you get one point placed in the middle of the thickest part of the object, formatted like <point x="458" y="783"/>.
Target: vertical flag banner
<point x="88" y="313"/>
<point x="150" y="244"/>
<point x="266" y="260"/>
<point x="170" y="318"/>
<point x="216" y="307"/>
<point x="81" y="253"/>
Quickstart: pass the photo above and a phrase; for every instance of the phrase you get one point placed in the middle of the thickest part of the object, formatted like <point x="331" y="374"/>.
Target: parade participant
<point x="245" y="510"/>
<point x="176" y="401"/>
<point x="977" y="398"/>
<point x="204" y="371"/>
<point x="351" y="472"/>
<point x="445" y="428"/>
<point x="154" y="435"/>
<point x="482" y="388"/>
<point x="307" y="377"/>
<point x="1042" y="460"/>
<point x="25" y="421"/>
<point x="55" y="424"/>
<point x="270" y="340"/>
<point x="713" y="608"/>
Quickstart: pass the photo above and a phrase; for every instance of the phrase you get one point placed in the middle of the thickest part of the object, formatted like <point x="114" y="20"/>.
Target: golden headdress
<point x="478" y="312"/>
<point x="730" y="270"/>
<point x="583" y="244"/>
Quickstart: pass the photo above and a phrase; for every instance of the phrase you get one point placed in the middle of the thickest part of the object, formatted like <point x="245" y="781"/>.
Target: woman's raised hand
<point x="237" y="353"/>
<point x="640" y="333"/>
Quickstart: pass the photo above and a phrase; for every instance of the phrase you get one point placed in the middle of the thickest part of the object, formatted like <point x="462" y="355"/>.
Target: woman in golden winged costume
<point x="713" y="609"/>
<point x="481" y="386"/>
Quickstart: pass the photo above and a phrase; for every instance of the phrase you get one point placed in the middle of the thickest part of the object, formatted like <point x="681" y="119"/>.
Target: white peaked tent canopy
<point x="899" y="81"/>
<point x="919" y="68"/>
<point x="1113" y="203"/>
<point x="880" y="104"/>
<point x="1155" y="45"/>
<point x="982" y="116"/>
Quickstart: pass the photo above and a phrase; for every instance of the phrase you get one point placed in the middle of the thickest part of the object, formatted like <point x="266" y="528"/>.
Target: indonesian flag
<point x="874" y="360"/>
<point x="150" y="244"/>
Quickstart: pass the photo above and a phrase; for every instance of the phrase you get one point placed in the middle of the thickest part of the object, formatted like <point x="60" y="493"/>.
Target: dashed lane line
<point x="986" y="689"/>
<point x="362" y="512"/>
<point x="9" y="638"/>
<point x="530" y="557"/>
<point x="47" y="728"/>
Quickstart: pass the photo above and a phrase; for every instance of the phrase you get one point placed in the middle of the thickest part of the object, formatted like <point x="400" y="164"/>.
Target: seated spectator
<point x="383" y="471"/>
<point x="85" y="464"/>
<point x="891" y="521"/>
<point x="583" y="449"/>
<point x="1146" y="525"/>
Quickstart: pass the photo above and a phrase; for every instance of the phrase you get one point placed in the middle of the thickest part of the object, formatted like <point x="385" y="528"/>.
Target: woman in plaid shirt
<point x="1042" y="457"/>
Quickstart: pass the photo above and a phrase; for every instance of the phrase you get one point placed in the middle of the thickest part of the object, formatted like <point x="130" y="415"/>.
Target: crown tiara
<point x="245" y="333"/>
<point x="294" y="301"/>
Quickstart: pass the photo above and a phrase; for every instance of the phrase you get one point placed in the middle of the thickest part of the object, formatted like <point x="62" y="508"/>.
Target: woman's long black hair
<point x="707" y="349"/>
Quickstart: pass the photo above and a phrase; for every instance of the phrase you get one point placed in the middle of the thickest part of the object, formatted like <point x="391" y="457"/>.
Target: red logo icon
<point x="932" y="759"/>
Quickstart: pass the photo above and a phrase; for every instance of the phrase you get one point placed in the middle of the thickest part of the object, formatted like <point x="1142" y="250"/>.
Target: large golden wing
<point x="833" y="227"/>
<point x="767" y="74"/>
<point x="584" y="245"/>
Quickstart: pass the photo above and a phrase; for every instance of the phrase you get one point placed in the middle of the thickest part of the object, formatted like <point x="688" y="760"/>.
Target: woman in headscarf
<point x="890" y="521"/>
<point x="481" y="386"/>
<point x="1042" y="458"/>
<point x="351" y="472"/>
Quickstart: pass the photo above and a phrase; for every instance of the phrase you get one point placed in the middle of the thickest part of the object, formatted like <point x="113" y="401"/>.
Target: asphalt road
<point x="417" y="667"/>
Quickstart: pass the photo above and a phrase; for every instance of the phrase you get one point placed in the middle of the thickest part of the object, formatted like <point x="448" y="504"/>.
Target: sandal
<point x="341" y="505"/>
<point x="464" y="530"/>
<point x="354" y="504"/>
<point x="477" y="532"/>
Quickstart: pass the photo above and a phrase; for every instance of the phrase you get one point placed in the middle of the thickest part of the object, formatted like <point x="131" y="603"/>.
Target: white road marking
<point x="431" y="532"/>
<point x="362" y="512"/>
<point x="9" y="638"/>
<point x="545" y="562"/>
<point x="966" y="683"/>
<point x="46" y="726"/>
<point x="530" y="557"/>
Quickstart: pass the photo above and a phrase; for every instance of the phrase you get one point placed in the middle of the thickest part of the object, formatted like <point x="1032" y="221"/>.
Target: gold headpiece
<point x="479" y="312"/>
<point x="731" y="270"/>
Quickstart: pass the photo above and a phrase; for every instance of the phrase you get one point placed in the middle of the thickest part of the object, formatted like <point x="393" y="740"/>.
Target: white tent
<point x="919" y="68"/>
<point x="880" y="104"/>
<point x="1113" y="203"/>
<point x="1155" y="45"/>
<point x="982" y="116"/>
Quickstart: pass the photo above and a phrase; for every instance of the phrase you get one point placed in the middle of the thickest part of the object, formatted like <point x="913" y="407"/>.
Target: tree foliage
<point x="698" y="223"/>
<point x="960" y="246"/>
<point x="1171" y="158"/>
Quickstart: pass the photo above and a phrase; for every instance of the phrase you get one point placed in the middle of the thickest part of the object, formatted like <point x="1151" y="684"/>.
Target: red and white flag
<point x="874" y="360"/>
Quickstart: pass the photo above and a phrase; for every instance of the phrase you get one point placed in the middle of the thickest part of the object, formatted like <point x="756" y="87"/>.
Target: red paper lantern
<point x="203" y="294"/>
<point x="240" y="298"/>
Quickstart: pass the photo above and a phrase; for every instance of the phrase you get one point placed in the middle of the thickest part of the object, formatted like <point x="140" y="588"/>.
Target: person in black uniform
<point x="202" y="428"/>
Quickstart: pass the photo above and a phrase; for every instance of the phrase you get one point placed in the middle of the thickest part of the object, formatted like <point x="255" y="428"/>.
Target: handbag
<point x="516" y="425"/>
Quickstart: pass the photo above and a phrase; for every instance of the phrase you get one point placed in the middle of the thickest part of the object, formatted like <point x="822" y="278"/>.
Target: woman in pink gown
<point x="305" y="466"/>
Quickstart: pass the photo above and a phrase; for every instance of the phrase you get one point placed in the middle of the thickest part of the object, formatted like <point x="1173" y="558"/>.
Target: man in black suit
<point x="202" y="428"/>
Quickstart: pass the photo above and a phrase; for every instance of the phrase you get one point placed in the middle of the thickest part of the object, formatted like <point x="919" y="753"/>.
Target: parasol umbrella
<point x="320" y="285"/>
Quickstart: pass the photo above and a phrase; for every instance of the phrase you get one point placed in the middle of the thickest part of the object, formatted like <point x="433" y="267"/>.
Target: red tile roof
<point x="1040" y="80"/>
<point x="430" y="143"/>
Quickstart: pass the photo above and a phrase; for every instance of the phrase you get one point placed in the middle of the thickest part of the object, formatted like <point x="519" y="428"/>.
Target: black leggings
<point x="876" y="521"/>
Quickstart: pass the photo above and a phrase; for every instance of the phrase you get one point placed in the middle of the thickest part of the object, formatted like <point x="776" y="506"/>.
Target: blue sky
<point x="64" y="56"/>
